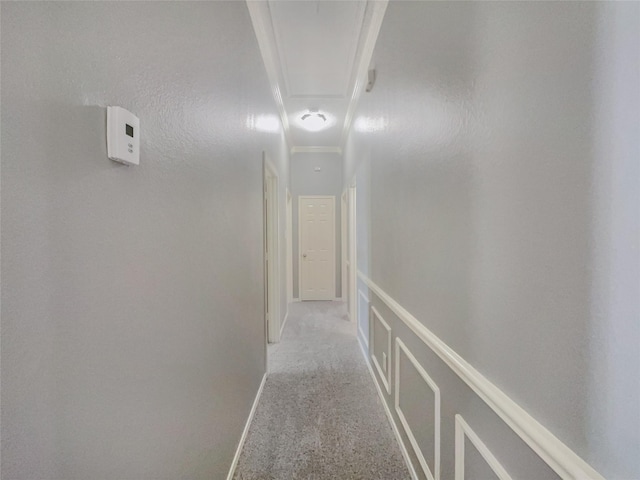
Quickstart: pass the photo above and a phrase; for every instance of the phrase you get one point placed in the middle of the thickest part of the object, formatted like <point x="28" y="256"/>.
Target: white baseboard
<point x="252" y="413"/>
<point x="295" y="300"/>
<point x="394" y="427"/>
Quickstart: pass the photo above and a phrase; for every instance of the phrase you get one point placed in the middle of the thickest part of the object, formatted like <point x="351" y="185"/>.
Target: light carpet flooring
<point x="319" y="416"/>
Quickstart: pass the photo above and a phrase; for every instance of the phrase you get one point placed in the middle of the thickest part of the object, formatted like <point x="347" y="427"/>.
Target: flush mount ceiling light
<point x="314" y="121"/>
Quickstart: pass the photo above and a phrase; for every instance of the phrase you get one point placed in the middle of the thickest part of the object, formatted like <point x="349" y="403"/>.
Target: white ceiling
<point x="316" y="54"/>
<point x="317" y="45"/>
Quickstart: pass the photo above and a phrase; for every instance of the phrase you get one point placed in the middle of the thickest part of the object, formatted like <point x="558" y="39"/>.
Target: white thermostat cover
<point x="123" y="136"/>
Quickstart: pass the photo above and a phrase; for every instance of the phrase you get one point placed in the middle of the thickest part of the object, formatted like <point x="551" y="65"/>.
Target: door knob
<point x="304" y="255"/>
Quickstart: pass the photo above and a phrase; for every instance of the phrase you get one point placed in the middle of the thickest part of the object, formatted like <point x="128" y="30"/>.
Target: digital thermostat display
<point x="123" y="136"/>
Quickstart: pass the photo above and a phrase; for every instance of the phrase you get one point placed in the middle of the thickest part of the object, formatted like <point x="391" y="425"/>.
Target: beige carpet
<point x="320" y="416"/>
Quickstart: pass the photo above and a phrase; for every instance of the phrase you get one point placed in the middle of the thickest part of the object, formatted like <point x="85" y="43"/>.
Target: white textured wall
<point x="499" y="154"/>
<point x="133" y="335"/>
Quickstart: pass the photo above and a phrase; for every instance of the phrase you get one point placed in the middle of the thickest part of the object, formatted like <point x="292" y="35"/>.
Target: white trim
<point x="364" y="337"/>
<point x="386" y="379"/>
<point x="284" y="322"/>
<point x="435" y="474"/>
<point x="319" y="196"/>
<point x="272" y="230"/>
<point x="378" y="9"/>
<point x="394" y="427"/>
<point x="349" y="300"/>
<point x="562" y="460"/>
<point x="263" y="28"/>
<point x="243" y="437"/>
<point x="302" y="96"/>
<point x="295" y="300"/>
<point x="289" y="246"/>
<point x="462" y="429"/>
<point x="343" y="245"/>
<point x="353" y="254"/>
<point x="315" y="149"/>
<point x="333" y="239"/>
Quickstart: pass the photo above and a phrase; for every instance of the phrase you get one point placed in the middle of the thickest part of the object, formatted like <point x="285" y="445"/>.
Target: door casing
<point x="289" y="237"/>
<point x="343" y="247"/>
<point x="352" y="279"/>
<point x="271" y="251"/>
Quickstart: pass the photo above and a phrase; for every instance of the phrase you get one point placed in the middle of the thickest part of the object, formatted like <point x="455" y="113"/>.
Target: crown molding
<point x="375" y="13"/>
<point x="302" y="149"/>
<point x="263" y="28"/>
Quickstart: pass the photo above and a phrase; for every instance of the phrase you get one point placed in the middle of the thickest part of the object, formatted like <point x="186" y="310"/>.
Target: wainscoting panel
<point x="380" y="333"/>
<point x="540" y="455"/>
<point x="421" y="420"/>
<point x="464" y="432"/>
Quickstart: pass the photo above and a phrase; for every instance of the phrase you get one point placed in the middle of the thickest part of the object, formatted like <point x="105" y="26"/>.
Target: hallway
<point x="319" y="415"/>
<point x="445" y="194"/>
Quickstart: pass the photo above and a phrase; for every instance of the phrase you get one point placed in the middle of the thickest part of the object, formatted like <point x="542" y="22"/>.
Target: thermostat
<point x="123" y="136"/>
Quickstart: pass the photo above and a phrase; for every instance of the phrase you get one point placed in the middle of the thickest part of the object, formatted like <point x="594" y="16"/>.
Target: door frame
<point x="271" y="251"/>
<point x="343" y="246"/>
<point x="352" y="259"/>
<point x="289" y="239"/>
<point x="333" y="239"/>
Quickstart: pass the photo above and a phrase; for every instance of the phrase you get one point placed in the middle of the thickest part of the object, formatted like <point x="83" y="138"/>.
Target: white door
<point x="317" y="247"/>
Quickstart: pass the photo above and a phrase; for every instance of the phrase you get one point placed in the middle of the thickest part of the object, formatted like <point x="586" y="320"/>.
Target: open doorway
<point x="271" y="252"/>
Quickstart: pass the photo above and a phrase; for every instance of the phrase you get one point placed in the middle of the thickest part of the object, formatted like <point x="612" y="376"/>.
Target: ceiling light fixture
<point x="314" y="121"/>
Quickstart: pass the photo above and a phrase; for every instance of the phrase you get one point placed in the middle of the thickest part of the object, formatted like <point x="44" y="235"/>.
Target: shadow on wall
<point x="614" y="412"/>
